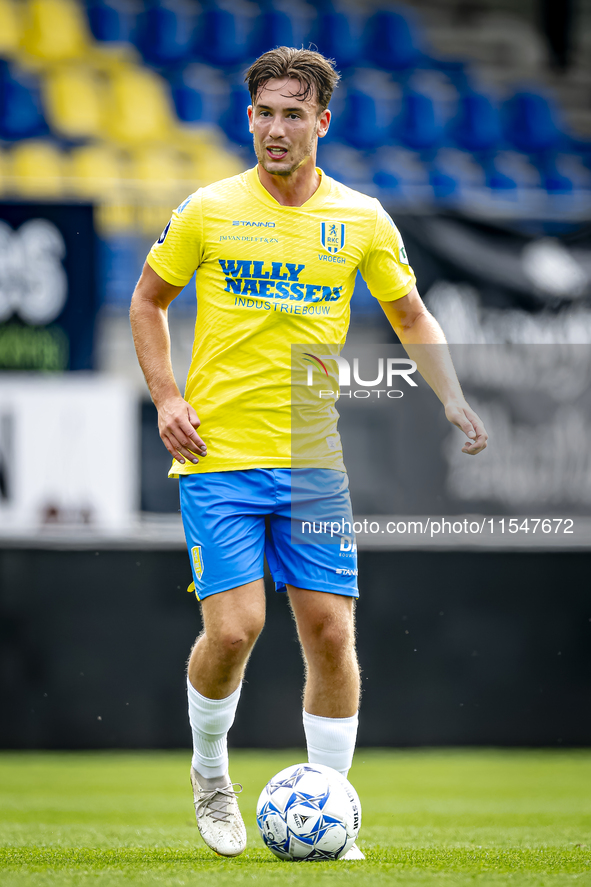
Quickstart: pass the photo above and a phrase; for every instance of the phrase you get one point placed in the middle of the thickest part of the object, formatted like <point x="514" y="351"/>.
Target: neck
<point x="295" y="189"/>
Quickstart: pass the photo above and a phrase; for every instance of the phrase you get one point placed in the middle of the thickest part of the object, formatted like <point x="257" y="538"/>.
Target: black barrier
<point x="48" y="298"/>
<point x="456" y="649"/>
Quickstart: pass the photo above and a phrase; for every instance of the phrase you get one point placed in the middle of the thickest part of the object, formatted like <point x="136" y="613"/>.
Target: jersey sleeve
<point x="385" y="266"/>
<point x="179" y="249"/>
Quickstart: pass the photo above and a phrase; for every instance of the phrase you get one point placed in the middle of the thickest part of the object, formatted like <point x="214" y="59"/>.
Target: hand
<point x="470" y="423"/>
<point x="177" y="424"/>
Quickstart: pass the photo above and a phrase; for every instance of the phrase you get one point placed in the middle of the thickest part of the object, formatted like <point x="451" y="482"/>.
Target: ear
<point x="250" y="112"/>
<point x="323" y="124"/>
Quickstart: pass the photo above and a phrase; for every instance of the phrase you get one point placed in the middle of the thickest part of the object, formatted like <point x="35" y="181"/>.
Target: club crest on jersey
<point x="332" y="236"/>
<point x="197" y="561"/>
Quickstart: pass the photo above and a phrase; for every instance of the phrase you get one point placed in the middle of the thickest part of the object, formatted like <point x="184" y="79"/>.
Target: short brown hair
<point x="316" y="74"/>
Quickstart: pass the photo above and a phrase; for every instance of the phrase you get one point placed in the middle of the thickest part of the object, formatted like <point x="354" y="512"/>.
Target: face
<point x="285" y="128"/>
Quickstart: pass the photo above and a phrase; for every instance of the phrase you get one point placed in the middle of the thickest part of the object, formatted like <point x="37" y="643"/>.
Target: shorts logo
<point x="197" y="561"/>
<point x="342" y="572"/>
<point x="332" y="236"/>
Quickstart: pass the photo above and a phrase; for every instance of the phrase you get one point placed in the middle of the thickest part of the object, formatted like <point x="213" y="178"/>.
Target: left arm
<point x="416" y="327"/>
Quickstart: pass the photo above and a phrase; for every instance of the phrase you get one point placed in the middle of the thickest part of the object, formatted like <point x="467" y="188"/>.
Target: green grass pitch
<point x="430" y="818"/>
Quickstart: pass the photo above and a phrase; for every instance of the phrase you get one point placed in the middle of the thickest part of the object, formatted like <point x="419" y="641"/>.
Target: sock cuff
<point x="330" y="733"/>
<point x="354" y="719"/>
<point x="212" y="717"/>
<point x="206" y="704"/>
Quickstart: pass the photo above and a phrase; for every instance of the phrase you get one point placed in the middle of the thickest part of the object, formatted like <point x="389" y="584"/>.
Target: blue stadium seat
<point x="497" y="180"/>
<point x="227" y="32"/>
<point x="419" y="125"/>
<point x="368" y="117"/>
<point x="338" y="34"/>
<point x="477" y="126"/>
<point x="390" y="41"/>
<point x="167" y="31"/>
<point x="200" y="94"/>
<point x="554" y="181"/>
<point x="282" y="23"/>
<point x="21" y="106"/>
<point x="112" y="21"/>
<point x="235" y="120"/>
<point x="530" y="123"/>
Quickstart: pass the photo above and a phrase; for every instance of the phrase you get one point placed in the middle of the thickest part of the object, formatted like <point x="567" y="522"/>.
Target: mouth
<point x="276" y="152"/>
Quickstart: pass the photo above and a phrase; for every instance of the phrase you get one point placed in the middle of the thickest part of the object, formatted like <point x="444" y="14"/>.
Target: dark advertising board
<point x="48" y="298"/>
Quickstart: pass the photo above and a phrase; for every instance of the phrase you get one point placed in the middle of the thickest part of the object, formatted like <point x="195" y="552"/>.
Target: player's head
<point x="290" y="90"/>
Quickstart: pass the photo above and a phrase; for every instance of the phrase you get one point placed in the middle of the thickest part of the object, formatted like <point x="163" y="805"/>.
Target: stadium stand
<point x="135" y="104"/>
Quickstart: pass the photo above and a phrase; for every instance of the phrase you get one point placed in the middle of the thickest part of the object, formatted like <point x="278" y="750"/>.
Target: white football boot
<point x="218" y="817"/>
<point x="353" y="853"/>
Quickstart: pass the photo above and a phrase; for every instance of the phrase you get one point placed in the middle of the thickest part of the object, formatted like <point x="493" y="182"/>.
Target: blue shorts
<point x="232" y="519"/>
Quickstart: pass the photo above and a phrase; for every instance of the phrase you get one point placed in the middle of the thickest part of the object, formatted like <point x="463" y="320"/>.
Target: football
<point x="309" y="811"/>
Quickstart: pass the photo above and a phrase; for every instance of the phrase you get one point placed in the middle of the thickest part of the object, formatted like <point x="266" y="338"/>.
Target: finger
<point x="186" y="437"/>
<point x="476" y="446"/>
<point x="181" y="453"/>
<point x="173" y="450"/>
<point x="185" y="432"/>
<point x="198" y="441"/>
<point x="186" y="447"/>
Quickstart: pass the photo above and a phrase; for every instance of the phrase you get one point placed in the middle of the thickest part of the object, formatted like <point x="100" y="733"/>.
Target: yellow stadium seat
<point x="3" y="174"/>
<point x="209" y="164"/>
<point x="10" y="28"/>
<point x="139" y="107"/>
<point x="159" y="171"/>
<point x="55" y="30"/>
<point x="74" y="101"/>
<point x="95" y="172"/>
<point x="37" y="170"/>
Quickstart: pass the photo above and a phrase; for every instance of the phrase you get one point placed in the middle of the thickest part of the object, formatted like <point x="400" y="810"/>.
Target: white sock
<point x="331" y="741"/>
<point x="210" y="721"/>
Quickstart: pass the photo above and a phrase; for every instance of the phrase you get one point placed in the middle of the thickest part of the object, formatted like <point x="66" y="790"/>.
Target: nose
<point x="277" y="127"/>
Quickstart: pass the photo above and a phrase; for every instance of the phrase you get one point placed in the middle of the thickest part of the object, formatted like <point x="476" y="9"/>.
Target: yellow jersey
<point x="270" y="277"/>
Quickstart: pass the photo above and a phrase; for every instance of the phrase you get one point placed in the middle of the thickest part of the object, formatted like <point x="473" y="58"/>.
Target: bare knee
<point x="236" y="641"/>
<point x="332" y="640"/>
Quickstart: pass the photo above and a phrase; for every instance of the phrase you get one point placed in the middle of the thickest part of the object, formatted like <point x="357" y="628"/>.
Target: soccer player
<point x="276" y="251"/>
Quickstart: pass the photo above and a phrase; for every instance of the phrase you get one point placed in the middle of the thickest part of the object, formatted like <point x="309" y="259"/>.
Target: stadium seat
<point x="210" y="163"/>
<point x="10" y="28"/>
<point x="21" y="105"/>
<point x="401" y="176"/>
<point x="338" y="34"/>
<point x="390" y="41"/>
<point x="477" y="126"/>
<point x="235" y="120"/>
<point x="95" y="171"/>
<point x="282" y="23"/>
<point x="419" y="125"/>
<point x="227" y="32"/>
<point x="74" y="98"/>
<point x="159" y="171"/>
<point x="140" y="109"/>
<point x="530" y="123"/>
<point x="112" y="21"/>
<point x="371" y="104"/>
<point x="55" y="30"/>
<point x="166" y="31"/>
<point x="37" y="167"/>
<point x="200" y="94"/>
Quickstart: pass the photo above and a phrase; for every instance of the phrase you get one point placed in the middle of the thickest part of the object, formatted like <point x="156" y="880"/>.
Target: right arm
<point x="177" y="420"/>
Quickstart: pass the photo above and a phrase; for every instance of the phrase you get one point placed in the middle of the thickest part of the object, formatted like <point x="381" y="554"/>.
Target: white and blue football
<point x="309" y="811"/>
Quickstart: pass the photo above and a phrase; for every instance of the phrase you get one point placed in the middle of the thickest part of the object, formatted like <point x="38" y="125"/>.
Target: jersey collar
<point x="259" y="190"/>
